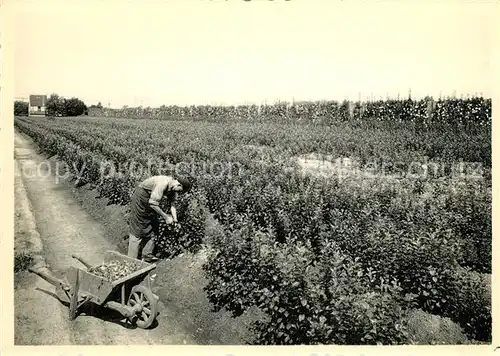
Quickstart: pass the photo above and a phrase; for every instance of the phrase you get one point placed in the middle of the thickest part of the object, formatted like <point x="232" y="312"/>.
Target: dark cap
<point x="186" y="183"/>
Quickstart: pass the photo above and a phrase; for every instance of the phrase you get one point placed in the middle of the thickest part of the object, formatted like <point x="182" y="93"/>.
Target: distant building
<point x="38" y="105"/>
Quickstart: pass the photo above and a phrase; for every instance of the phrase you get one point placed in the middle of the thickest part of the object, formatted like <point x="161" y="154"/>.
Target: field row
<point x="328" y="260"/>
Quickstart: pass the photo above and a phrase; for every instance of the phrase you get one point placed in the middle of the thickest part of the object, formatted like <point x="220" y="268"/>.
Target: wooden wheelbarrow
<point x="131" y="295"/>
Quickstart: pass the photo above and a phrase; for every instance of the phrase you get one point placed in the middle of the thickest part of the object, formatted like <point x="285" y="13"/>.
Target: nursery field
<point x="334" y="231"/>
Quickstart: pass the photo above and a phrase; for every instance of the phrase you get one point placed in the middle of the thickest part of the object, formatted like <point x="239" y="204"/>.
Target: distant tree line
<point x="460" y="113"/>
<point x="60" y="106"/>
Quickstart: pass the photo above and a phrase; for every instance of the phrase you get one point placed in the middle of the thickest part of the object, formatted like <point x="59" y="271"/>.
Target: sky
<point x="170" y="52"/>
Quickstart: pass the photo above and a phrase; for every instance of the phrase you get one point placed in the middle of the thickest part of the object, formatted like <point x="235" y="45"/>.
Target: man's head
<point x="183" y="186"/>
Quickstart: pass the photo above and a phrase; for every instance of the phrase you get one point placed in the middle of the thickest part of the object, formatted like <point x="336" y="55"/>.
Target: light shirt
<point x="157" y="186"/>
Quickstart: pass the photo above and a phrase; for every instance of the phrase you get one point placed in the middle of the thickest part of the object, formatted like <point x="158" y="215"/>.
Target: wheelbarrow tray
<point x="101" y="290"/>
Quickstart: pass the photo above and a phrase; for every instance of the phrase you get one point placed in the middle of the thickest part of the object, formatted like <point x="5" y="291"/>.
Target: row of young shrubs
<point x="422" y="257"/>
<point x="330" y="299"/>
<point x="421" y="260"/>
<point x="394" y="238"/>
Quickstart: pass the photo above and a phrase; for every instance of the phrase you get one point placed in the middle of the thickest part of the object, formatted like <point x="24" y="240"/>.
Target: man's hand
<point x="168" y="219"/>
<point x="177" y="226"/>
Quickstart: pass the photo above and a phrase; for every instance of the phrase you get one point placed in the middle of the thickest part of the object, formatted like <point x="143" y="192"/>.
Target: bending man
<point x="143" y="207"/>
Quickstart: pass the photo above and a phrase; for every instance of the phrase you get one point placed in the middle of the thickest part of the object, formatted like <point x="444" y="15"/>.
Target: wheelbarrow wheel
<point x="145" y="298"/>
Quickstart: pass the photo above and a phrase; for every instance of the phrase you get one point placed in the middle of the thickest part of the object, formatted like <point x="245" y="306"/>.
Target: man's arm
<point x="154" y="200"/>
<point x="159" y="211"/>
<point x="173" y="211"/>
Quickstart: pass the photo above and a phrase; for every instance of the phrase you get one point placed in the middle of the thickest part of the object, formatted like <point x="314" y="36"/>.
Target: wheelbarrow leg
<point x="62" y="287"/>
<point x="74" y="296"/>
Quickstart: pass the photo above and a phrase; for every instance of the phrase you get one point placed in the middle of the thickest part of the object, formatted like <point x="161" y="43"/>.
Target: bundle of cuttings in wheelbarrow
<point x="113" y="270"/>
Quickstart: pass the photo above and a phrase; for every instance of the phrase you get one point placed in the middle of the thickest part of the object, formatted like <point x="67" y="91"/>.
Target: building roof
<point x="38" y="100"/>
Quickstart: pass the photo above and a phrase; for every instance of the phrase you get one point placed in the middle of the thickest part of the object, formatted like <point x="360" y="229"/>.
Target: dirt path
<point x="65" y="228"/>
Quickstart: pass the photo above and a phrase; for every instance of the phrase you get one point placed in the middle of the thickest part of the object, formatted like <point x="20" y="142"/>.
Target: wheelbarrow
<point x="131" y="295"/>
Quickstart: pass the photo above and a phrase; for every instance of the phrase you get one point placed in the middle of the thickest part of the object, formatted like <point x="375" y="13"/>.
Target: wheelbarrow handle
<point x="45" y="274"/>
<point x="79" y="258"/>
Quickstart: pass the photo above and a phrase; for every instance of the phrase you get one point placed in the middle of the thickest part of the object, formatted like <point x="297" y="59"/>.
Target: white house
<point x="37" y="105"/>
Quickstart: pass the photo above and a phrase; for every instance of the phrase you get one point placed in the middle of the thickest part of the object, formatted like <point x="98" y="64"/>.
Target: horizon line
<point x="265" y="102"/>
